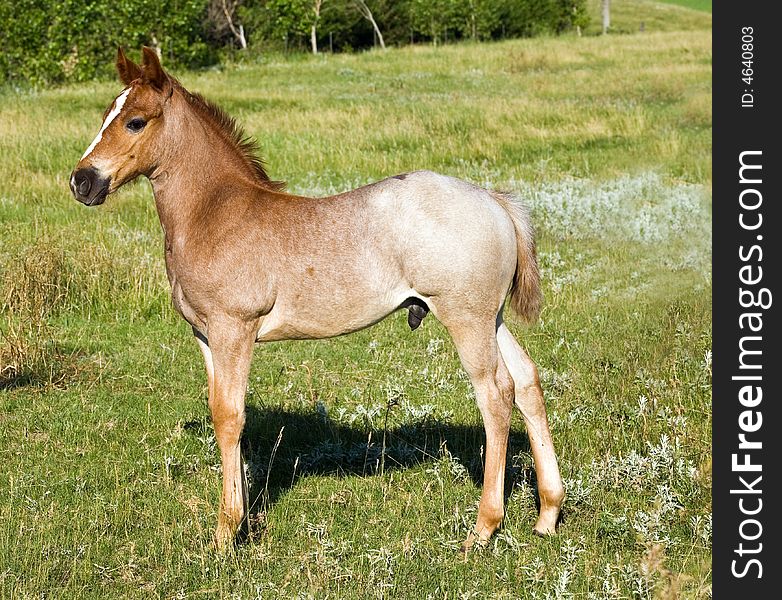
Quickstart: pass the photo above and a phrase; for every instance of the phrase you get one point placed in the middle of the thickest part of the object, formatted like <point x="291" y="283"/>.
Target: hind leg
<point x="203" y="345"/>
<point x="477" y="346"/>
<point x="529" y="400"/>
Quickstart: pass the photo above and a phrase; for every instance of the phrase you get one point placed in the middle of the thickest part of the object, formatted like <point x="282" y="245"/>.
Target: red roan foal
<point x="250" y="263"/>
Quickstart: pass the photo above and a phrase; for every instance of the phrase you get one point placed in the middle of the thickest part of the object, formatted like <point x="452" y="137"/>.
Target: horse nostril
<point x="84" y="186"/>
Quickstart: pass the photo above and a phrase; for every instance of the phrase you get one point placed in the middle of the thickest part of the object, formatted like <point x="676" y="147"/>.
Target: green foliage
<point x="280" y="21"/>
<point x="441" y="20"/>
<point x="51" y="41"/>
<point x="47" y="41"/>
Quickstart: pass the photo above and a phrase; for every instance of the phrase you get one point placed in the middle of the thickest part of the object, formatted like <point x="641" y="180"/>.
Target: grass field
<point x="109" y="476"/>
<point x="704" y="5"/>
<point x="632" y="16"/>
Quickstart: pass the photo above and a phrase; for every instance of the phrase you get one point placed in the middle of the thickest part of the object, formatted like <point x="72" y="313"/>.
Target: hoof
<point x="473" y="541"/>
<point x="467" y="545"/>
<point x="542" y="534"/>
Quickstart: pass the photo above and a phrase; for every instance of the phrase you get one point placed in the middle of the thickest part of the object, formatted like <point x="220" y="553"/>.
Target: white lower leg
<point x="529" y="400"/>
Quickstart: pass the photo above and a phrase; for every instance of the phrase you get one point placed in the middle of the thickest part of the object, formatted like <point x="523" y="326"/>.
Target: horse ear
<point x="153" y="72"/>
<point x="127" y="69"/>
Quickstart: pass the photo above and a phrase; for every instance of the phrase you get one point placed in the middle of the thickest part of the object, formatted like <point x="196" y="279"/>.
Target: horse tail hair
<point x="525" y="294"/>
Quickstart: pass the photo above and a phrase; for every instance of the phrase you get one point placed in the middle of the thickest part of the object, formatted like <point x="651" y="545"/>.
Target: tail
<point x="525" y="294"/>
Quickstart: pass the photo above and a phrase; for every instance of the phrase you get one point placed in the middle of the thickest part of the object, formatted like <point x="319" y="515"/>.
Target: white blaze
<point x="119" y="102"/>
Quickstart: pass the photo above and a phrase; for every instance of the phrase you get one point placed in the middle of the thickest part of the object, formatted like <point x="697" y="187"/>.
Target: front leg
<point x="227" y="355"/>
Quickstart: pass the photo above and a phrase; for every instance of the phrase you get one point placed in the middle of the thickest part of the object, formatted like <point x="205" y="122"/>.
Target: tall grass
<point x="33" y="291"/>
<point x="108" y="469"/>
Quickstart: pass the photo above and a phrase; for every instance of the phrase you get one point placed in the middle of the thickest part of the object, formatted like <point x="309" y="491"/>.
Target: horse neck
<point x="195" y="167"/>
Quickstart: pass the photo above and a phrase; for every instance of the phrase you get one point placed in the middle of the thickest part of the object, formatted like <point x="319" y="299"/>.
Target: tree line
<point x="51" y="41"/>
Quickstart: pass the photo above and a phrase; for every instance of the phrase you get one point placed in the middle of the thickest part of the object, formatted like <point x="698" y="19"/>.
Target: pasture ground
<point x="109" y="476"/>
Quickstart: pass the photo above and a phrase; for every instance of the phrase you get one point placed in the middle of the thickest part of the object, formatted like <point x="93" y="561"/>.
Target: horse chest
<point x="179" y="295"/>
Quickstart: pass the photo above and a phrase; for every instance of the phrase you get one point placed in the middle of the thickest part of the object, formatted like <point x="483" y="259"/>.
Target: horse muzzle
<point x="88" y="187"/>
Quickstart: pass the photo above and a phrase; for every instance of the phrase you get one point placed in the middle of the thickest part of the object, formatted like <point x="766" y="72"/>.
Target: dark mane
<point x="246" y="146"/>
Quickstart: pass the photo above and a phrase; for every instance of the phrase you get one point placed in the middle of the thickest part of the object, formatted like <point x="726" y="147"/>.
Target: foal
<point x="249" y="263"/>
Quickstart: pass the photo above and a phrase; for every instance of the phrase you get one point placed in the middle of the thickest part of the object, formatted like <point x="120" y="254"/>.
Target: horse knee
<point x="228" y="425"/>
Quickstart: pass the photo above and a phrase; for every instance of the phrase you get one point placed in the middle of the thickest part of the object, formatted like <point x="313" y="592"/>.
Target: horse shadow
<point x="282" y="446"/>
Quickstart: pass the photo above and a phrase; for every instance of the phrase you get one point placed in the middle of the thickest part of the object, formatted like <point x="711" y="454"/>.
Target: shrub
<point x="49" y="41"/>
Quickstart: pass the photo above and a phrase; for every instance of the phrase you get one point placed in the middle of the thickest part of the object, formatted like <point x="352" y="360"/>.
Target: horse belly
<point x="288" y="322"/>
<point x="331" y="306"/>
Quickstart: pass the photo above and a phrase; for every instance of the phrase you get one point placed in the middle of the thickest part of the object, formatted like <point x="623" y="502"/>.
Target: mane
<point x="246" y="146"/>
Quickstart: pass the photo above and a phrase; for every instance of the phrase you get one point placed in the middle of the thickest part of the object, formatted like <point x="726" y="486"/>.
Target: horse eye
<point x="136" y="125"/>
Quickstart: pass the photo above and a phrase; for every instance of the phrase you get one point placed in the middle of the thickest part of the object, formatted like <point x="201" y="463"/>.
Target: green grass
<point x="632" y="16"/>
<point x="108" y="469"/>
<point x="704" y="5"/>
